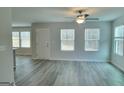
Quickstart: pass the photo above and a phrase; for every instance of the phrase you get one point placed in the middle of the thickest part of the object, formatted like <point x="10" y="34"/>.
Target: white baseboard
<point x="85" y="60"/>
<point x="23" y="54"/>
<point x="7" y="83"/>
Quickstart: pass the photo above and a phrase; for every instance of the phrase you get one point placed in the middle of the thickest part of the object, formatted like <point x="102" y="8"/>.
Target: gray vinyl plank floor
<point x="65" y="73"/>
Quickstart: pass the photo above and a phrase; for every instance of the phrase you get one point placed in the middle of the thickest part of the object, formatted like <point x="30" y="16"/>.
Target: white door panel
<point x="42" y="43"/>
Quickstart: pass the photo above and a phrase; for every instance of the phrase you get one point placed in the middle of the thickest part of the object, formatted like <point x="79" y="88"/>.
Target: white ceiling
<point x="25" y="16"/>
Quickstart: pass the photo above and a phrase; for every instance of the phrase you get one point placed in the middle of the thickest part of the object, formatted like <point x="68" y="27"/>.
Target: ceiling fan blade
<point x="86" y="15"/>
<point x="92" y="19"/>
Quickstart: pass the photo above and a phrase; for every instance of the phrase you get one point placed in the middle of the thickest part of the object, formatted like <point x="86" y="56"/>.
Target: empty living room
<point x="62" y="46"/>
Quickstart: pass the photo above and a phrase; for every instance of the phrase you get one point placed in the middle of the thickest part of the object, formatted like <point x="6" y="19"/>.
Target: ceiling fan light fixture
<point x="80" y="19"/>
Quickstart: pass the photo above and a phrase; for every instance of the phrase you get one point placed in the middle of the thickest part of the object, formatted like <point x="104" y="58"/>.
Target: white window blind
<point x="15" y="39"/>
<point x="67" y="39"/>
<point x="92" y="37"/>
<point x="25" y="39"/>
<point x="119" y="40"/>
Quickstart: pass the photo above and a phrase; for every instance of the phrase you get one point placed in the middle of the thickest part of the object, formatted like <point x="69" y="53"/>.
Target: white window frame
<point x="87" y="39"/>
<point x="20" y="39"/>
<point x="65" y="39"/>
<point x="117" y="39"/>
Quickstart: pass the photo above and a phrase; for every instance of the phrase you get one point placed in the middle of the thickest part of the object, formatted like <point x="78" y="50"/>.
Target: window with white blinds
<point x="119" y="40"/>
<point x="92" y="38"/>
<point x="67" y="39"/>
<point x="21" y="39"/>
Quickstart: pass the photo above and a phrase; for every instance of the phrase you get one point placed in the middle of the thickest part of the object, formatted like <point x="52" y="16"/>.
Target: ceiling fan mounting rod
<point x="80" y="11"/>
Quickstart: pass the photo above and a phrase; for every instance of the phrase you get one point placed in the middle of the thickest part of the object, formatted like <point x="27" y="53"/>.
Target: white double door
<point x="42" y="44"/>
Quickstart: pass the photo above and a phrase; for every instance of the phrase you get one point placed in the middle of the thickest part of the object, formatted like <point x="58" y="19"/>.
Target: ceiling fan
<point x="83" y="17"/>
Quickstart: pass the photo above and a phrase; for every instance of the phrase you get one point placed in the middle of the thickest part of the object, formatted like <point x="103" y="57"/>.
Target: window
<point x="119" y="40"/>
<point x="25" y="39"/>
<point x="21" y="39"/>
<point x="15" y="39"/>
<point x="92" y="37"/>
<point x="67" y="39"/>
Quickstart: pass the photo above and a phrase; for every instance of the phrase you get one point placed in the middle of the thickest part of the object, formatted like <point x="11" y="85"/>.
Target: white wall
<point x="116" y="59"/>
<point x="79" y="54"/>
<point x="23" y="51"/>
<point x="6" y="56"/>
